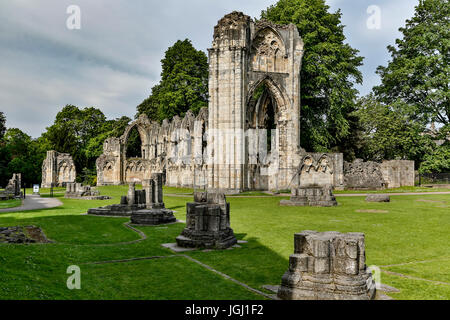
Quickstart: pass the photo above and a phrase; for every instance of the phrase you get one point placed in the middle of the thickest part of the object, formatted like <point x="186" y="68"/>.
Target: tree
<point x="19" y="153"/>
<point x="183" y="86"/>
<point x="329" y="70"/>
<point x="418" y="73"/>
<point x="2" y="124"/>
<point x="389" y="133"/>
<point x="81" y="132"/>
<point x="437" y="161"/>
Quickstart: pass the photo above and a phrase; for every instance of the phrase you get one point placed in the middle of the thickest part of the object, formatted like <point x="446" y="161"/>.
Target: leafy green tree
<point x="19" y="153"/>
<point x="389" y="133"/>
<point x="81" y="132"/>
<point x="418" y="73"/>
<point x="183" y="86"/>
<point x="2" y="124"/>
<point x="437" y="161"/>
<point x="329" y="71"/>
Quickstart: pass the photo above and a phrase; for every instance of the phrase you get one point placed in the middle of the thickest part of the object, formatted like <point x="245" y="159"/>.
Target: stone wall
<point x="57" y="169"/>
<point x="398" y="173"/>
<point x="373" y="175"/>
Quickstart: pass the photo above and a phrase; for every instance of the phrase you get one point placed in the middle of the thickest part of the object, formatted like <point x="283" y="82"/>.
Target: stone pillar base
<point x="153" y="217"/>
<point x="327" y="266"/>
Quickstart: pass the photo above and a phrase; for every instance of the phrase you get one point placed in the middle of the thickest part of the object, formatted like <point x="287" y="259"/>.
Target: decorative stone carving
<point x="327" y="266"/>
<point x="57" y="170"/>
<point x="207" y="222"/>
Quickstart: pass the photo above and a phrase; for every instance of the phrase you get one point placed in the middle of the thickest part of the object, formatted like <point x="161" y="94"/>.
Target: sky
<point x="113" y="59"/>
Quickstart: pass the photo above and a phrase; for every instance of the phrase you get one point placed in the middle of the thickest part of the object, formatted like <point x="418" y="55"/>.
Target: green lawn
<point x="415" y="230"/>
<point x="10" y="203"/>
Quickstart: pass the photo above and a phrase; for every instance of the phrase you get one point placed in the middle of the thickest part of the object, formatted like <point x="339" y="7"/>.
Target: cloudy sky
<point x="114" y="59"/>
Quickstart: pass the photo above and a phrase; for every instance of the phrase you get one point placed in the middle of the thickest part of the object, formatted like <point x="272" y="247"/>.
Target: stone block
<point x="327" y="265"/>
<point x="378" y="198"/>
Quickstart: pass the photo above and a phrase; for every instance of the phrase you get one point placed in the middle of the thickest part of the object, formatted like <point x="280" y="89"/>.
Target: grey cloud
<point x="114" y="60"/>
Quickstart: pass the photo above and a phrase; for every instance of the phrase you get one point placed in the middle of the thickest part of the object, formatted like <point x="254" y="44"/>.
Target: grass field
<point x="410" y="242"/>
<point x="10" y="203"/>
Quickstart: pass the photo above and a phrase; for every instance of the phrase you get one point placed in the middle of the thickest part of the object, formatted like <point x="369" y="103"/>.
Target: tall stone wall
<point x="176" y="148"/>
<point x="57" y="169"/>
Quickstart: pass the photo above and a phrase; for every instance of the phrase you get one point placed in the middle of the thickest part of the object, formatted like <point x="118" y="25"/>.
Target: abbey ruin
<point x="249" y="136"/>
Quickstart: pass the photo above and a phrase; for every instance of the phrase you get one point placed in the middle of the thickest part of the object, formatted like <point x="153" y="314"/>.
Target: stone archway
<point x="266" y="105"/>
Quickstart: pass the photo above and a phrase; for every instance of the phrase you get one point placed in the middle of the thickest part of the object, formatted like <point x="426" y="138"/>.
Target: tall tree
<point x="389" y="133"/>
<point x="329" y="71"/>
<point x="183" y="86"/>
<point x="418" y="73"/>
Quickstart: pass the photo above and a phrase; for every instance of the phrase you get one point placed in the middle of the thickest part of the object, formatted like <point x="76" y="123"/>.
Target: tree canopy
<point x="413" y="94"/>
<point x="183" y="85"/>
<point x="418" y="73"/>
<point x="329" y="71"/>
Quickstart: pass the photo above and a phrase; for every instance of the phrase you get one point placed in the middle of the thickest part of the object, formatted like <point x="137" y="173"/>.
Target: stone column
<point x="131" y="193"/>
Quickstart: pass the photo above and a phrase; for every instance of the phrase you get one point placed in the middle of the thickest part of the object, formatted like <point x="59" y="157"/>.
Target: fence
<point x="434" y="178"/>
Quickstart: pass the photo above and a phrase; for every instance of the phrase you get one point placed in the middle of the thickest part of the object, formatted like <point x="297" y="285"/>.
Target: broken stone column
<point x="14" y="185"/>
<point x="155" y="212"/>
<point x="316" y="196"/>
<point x="327" y="266"/>
<point x="207" y="222"/>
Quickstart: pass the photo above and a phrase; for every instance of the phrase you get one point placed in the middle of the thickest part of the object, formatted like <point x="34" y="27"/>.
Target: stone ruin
<point x="143" y="206"/>
<point x="327" y="266"/>
<point x="58" y="169"/>
<point x="313" y="196"/>
<point x="374" y="175"/>
<point x="313" y="183"/>
<point x="22" y="235"/>
<point x="378" y="198"/>
<point x="13" y="189"/>
<point x="155" y="211"/>
<point x="207" y="223"/>
<point x="78" y="191"/>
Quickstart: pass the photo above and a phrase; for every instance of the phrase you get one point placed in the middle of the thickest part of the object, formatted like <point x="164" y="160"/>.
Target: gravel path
<point x="34" y="202"/>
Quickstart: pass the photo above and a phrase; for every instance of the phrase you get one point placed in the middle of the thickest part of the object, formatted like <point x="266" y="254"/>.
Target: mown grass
<point x="5" y="204"/>
<point x="413" y="230"/>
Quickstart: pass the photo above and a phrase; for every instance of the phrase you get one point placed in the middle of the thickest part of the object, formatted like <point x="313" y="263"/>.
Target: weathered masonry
<point x="57" y="169"/>
<point x="249" y="136"/>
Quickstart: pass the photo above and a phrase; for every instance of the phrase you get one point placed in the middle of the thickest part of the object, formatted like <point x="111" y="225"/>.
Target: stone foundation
<point x="22" y="235"/>
<point x="327" y="266"/>
<point x="155" y="212"/>
<point x="207" y="223"/>
<point x="313" y="196"/>
<point x="145" y="207"/>
<point x="78" y="191"/>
